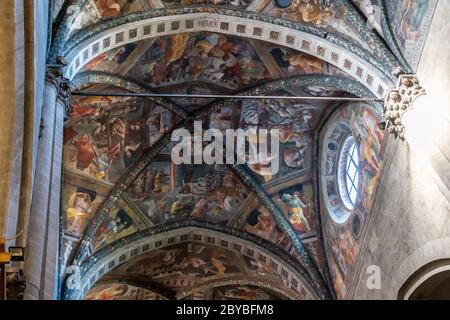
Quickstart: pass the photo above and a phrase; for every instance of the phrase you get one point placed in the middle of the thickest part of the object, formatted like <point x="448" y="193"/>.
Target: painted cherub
<point x="199" y="208"/>
<point x="305" y="63"/>
<point x="265" y="226"/>
<point x="108" y="8"/>
<point x="309" y="11"/>
<point x="157" y="187"/>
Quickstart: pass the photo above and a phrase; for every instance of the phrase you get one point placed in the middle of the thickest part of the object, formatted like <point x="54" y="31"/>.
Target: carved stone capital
<point x="55" y="77"/>
<point x="400" y="100"/>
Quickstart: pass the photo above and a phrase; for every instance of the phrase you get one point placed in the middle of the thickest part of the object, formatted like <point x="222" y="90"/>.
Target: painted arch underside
<point x="141" y="227"/>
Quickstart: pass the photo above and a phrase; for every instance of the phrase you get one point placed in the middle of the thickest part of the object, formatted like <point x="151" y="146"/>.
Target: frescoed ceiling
<point x="123" y="196"/>
<point x="206" y="63"/>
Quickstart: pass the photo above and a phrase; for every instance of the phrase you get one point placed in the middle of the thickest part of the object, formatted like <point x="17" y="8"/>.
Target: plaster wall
<point x="410" y="224"/>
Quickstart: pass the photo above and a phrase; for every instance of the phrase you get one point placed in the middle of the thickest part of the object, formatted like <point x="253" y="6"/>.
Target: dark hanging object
<point x="283" y="3"/>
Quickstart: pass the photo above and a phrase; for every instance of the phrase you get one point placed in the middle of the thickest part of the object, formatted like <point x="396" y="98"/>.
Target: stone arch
<point x="260" y="282"/>
<point x="85" y="46"/>
<point x="340" y="83"/>
<point x="108" y="258"/>
<point x="432" y="251"/>
<point x="167" y="293"/>
<point x="422" y="276"/>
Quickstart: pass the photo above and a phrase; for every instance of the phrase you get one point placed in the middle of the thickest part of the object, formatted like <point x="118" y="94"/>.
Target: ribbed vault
<point x="126" y="203"/>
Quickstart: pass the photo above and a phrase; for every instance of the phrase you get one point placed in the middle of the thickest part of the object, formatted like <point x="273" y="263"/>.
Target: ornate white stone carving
<point x="400" y="100"/>
<point x="211" y="23"/>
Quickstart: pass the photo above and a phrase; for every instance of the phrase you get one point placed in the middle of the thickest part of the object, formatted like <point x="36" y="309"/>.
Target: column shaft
<point x="53" y="231"/>
<point x="7" y="103"/>
<point x="42" y="248"/>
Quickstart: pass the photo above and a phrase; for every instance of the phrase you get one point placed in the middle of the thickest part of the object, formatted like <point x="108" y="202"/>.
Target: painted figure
<point x="157" y="187"/>
<point x="79" y="209"/>
<point x="85" y="152"/>
<point x="108" y="8"/>
<point x="295" y="208"/>
<point x="114" y="292"/>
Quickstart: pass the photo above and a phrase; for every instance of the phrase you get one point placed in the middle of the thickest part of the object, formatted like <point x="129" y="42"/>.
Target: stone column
<point x="42" y="248"/>
<point x="7" y="105"/>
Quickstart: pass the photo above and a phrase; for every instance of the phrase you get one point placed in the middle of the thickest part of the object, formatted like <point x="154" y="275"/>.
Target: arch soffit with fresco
<point x="295" y="277"/>
<point x="169" y="294"/>
<point x="373" y="73"/>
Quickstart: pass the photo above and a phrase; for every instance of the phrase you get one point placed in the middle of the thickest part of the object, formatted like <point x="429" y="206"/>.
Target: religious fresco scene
<point x="297" y="205"/>
<point x="410" y="20"/>
<point x="196" y="260"/>
<point x="243" y="293"/>
<point x="207" y="63"/>
<point x="336" y="17"/>
<point x="167" y="193"/>
<point x="82" y="13"/>
<point x="228" y="62"/>
<point x="224" y="150"/>
<point x="259" y="222"/>
<point x="332" y="16"/>
<point x="117" y="291"/>
<point x="104" y="136"/>
<point x="80" y="203"/>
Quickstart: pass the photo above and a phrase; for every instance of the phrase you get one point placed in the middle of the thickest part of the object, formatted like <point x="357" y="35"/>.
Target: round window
<point x="348" y="175"/>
